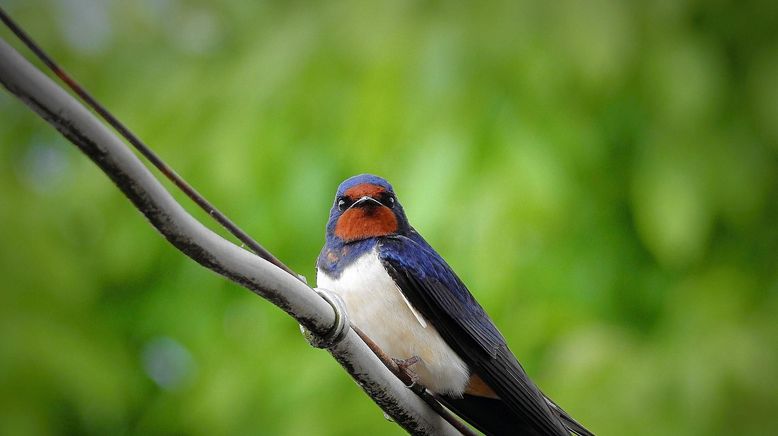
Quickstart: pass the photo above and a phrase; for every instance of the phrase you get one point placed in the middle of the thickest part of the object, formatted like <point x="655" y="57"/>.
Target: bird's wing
<point x="433" y="288"/>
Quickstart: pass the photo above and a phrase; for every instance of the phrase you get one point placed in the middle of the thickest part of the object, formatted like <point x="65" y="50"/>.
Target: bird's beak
<point x="366" y="201"/>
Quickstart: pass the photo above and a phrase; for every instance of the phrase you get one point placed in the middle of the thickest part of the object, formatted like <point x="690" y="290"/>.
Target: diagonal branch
<point x="207" y="248"/>
<point x="145" y="150"/>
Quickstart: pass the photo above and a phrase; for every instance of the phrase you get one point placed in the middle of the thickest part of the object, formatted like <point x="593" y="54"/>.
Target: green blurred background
<point x="603" y="175"/>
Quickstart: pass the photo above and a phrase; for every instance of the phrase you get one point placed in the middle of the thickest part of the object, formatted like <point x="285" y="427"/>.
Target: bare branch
<point x="187" y="234"/>
<point x="145" y="150"/>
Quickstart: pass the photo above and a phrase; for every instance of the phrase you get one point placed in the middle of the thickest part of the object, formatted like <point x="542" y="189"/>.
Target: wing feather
<point x="432" y="287"/>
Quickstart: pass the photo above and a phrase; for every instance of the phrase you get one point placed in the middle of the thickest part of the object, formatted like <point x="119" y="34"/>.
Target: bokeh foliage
<point x="601" y="174"/>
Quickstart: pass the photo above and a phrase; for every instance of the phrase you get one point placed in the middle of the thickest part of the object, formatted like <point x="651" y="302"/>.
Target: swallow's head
<point x="365" y="207"/>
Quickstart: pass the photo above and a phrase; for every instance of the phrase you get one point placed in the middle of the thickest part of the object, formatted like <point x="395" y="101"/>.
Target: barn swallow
<point x="404" y="296"/>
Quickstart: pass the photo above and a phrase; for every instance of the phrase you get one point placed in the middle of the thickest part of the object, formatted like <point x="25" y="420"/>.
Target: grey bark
<point x="207" y="248"/>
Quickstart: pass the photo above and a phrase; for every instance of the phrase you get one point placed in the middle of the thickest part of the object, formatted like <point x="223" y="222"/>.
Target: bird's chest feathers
<point x="377" y="306"/>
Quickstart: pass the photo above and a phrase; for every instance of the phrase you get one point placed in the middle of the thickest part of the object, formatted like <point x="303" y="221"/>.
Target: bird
<point x="401" y="293"/>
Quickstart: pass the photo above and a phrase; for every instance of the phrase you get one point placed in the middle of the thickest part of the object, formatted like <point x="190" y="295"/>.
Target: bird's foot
<point x="408" y="376"/>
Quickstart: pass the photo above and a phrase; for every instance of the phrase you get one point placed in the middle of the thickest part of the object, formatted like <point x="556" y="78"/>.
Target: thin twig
<point x="145" y="150"/>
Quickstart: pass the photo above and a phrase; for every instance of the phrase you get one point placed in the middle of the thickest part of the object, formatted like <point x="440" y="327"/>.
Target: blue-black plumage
<point x="402" y="293"/>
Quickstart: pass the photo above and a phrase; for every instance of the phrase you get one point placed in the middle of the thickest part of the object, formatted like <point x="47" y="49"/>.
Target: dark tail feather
<point x="571" y="424"/>
<point x="488" y="415"/>
<point x="492" y="416"/>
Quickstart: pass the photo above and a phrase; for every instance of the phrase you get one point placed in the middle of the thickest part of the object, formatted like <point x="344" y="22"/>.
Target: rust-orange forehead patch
<point x="364" y="189"/>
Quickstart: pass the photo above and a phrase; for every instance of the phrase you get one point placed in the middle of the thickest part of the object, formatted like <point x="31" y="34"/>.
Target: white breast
<point x="376" y="305"/>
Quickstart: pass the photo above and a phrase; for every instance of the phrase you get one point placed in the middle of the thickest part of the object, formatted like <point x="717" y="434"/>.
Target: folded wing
<point x="437" y="293"/>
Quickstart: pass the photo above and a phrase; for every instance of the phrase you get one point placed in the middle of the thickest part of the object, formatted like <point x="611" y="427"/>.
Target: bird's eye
<point x="388" y="200"/>
<point x="342" y="204"/>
